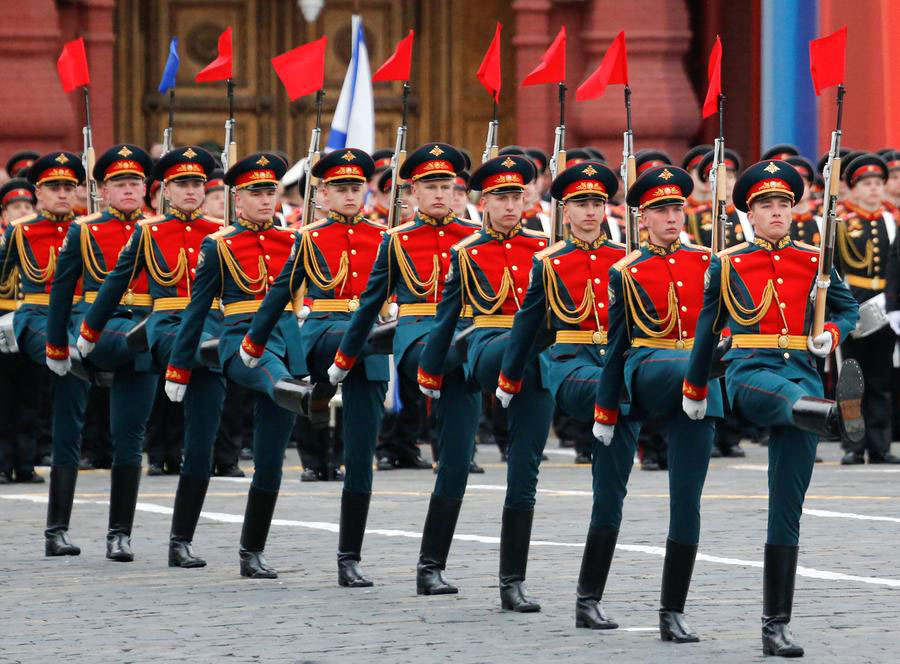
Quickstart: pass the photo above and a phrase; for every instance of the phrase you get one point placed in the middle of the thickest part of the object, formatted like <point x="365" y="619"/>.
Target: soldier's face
<point x="505" y="209"/>
<point x="257" y="205"/>
<point x="124" y="194"/>
<point x="893" y="184"/>
<point x="663" y="223"/>
<point x="345" y="199"/>
<point x="434" y="196"/>
<point x="214" y="203"/>
<point x="531" y="193"/>
<point x="185" y="195"/>
<point x="869" y="192"/>
<point x="408" y="200"/>
<point x="460" y="201"/>
<point x="55" y="197"/>
<point x="16" y="210"/>
<point x="585" y="216"/>
<point x="771" y="217"/>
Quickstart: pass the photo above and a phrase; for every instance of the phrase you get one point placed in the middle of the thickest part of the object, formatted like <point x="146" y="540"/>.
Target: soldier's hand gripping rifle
<point x="832" y="175"/>
<point x="395" y="207"/>
<point x="229" y="153"/>
<point x="557" y="166"/>
<point x="628" y="173"/>
<point x="311" y="187"/>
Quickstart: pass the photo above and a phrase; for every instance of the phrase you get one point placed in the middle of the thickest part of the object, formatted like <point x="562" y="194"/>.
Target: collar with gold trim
<point x="434" y="221"/>
<point x="664" y="251"/>
<point x="582" y="244"/>
<point x="256" y="228"/>
<point x="184" y="216"/>
<point x="868" y="215"/>
<point x="134" y="215"/>
<point x="343" y="219"/>
<point x="497" y="235"/>
<point x="58" y="218"/>
<point x="770" y="246"/>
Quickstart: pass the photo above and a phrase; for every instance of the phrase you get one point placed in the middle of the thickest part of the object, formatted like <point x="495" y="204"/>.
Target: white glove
<point x="336" y="374"/>
<point x="503" y="397"/>
<point x="434" y="394"/>
<point x="820" y="346"/>
<point x="59" y="367"/>
<point x="894" y="319"/>
<point x="175" y="391"/>
<point x="696" y="410"/>
<point x="8" y="343"/>
<point x="248" y="359"/>
<point x="603" y="432"/>
<point x="302" y="314"/>
<point x="84" y="346"/>
<point x="393" y="310"/>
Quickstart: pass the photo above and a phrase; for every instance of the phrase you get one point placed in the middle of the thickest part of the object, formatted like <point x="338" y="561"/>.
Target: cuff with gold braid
<point x="342" y="361"/>
<point x="252" y="349"/>
<point x="835" y="334"/>
<point x="176" y="375"/>
<point x="509" y="385"/>
<point x="89" y="333"/>
<point x="57" y="352"/>
<point x="605" y="415"/>
<point x="428" y="380"/>
<point x="694" y="392"/>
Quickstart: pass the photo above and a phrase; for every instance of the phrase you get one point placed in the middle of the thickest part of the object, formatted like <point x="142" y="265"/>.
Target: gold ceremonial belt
<point x="128" y="300"/>
<point x="8" y="305"/>
<point x="871" y="283"/>
<point x="248" y="307"/>
<point x="332" y="306"/>
<point x="675" y="344"/>
<point x="494" y="320"/>
<point x="44" y="299"/>
<point x="783" y="341"/>
<point x="428" y="309"/>
<point x="595" y="337"/>
<point x="178" y="303"/>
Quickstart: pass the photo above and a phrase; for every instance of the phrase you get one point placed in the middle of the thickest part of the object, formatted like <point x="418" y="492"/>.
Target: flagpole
<point x="93" y="195"/>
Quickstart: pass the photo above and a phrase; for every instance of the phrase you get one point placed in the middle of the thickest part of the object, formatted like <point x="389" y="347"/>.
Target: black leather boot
<point x="123" y="493"/>
<point x="257" y="519"/>
<point x="841" y="417"/>
<point x="292" y="394"/>
<point x="779" y="573"/>
<point x="59" y="510"/>
<point x="437" y="535"/>
<point x="598" y="554"/>
<point x="676" y="580"/>
<point x="515" y="536"/>
<point x="188" y="503"/>
<point x="354" y="511"/>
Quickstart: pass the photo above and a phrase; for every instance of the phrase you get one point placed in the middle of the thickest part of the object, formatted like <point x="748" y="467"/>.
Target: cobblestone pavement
<point x="87" y="609"/>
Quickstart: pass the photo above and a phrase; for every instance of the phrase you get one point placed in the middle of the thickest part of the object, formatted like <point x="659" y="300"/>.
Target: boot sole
<point x="848" y="394"/>
<point x="355" y="584"/>
<point x="253" y="575"/>
<point x="190" y="565"/>
<point x="121" y="559"/>
<point x="584" y="624"/>
<point x="50" y="553"/>
<point x="768" y="651"/>
<point x="448" y="591"/>
<point x="669" y="638"/>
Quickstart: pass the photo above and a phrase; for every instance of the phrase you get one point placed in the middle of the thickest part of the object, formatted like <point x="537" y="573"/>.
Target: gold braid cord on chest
<point x="315" y="274"/>
<point x="417" y="287"/>
<point x="747" y="316"/>
<point x="642" y="318"/>
<point x="248" y="284"/>
<point x="555" y="303"/>
<point x="91" y="264"/>
<point x="32" y="271"/>
<point x="850" y="253"/>
<point x="165" y="278"/>
<point x="469" y="278"/>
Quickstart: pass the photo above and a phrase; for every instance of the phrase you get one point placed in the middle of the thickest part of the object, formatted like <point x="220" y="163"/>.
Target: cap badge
<point x="666" y="174"/>
<point x="189" y="153"/>
<point x="124" y="152"/>
<point x="771" y="168"/>
<point x="590" y="170"/>
<point x="509" y="163"/>
<point x="348" y="156"/>
<point x="62" y="159"/>
<point x="436" y="151"/>
<point x="262" y="161"/>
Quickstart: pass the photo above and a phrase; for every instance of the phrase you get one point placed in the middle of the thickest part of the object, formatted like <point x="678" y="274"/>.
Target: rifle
<point x="557" y="165"/>
<point x="628" y="172"/>
<point x="395" y="207"/>
<point x="310" y="188"/>
<point x="490" y="151"/>
<point x="167" y="147"/>
<point x="229" y="153"/>
<point x="88" y="158"/>
<point x="832" y="175"/>
<point x="717" y="177"/>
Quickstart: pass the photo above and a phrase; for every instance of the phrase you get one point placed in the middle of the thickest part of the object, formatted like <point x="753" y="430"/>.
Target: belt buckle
<point x="679" y="344"/>
<point x="353" y="304"/>
<point x="783" y="341"/>
<point x="128" y="298"/>
<point x="597" y="337"/>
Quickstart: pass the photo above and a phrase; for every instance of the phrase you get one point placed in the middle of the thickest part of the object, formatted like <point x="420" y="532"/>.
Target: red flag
<point x="714" y="72"/>
<point x="553" y="63"/>
<point x="489" y="70"/>
<point x="613" y="69"/>
<point x="72" y="65"/>
<point x="302" y="69"/>
<point x="220" y="68"/>
<point x="396" y="67"/>
<point x="826" y="59"/>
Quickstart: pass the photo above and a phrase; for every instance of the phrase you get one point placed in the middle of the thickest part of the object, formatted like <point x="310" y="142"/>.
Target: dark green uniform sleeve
<point x="441" y="335"/>
<point x="65" y="280"/>
<point x="706" y="335"/>
<point x="207" y="286"/>
<point x="131" y="261"/>
<point x="610" y="385"/>
<point x="381" y="284"/>
<point x="525" y="329"/>
<point x="892" y="290"/>
<point x="280" y="293"/>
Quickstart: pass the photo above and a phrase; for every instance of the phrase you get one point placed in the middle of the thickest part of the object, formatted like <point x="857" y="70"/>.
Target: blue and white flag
<point x="353" y="125"/>
<point x="168" y="77"/>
